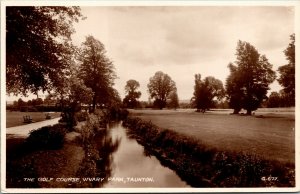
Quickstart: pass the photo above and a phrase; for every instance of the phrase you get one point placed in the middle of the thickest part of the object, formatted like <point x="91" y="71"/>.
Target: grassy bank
<point x="203" y="166"/>
<point x="271" y="136"/>
<point x="54" y="152"/>
<point x="43" y="154"/>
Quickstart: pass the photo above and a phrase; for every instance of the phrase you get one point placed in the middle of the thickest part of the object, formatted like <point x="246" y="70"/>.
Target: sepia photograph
<point x="181" y="96"/>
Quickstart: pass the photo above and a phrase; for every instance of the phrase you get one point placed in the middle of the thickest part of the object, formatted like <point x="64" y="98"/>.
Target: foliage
<point x="38" y="46"/>
<point x="96" y="71"/>
<point x="48" y="137"/>
<point x="287" y="72"/>
<point x="233" y="85"/>
<point x="117" y="113"/>
<point x="173" y="101"/>
<point x="201" y="166"/>
<point x="160" y="87"/>
<point x="50" y="100"/>
<point x="98" y="150"/>
<point x="249" y="79"/>
<point x="205" y="91"/>
<point x="71" y="94"/>
<point x="280" y="99"/>
<point x="34" y="105"/>
<point x="274" y="100"/>
<point x="81" y="116"/>
<point x="130" y="99"/>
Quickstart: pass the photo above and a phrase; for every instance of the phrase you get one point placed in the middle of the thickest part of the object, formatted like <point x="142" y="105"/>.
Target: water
<point x="130" y="167"/>
<point x="123" y="164"/>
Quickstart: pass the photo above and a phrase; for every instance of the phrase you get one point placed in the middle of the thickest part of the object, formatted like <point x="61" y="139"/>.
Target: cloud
<point x="182" y="40"/>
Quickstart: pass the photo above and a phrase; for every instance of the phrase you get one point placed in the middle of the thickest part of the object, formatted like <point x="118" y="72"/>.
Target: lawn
<point x="271" y="136"/>
<point x="15" y="118"/>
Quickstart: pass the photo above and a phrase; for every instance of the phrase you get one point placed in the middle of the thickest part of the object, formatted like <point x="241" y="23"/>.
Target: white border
<point x="5" y="3"/>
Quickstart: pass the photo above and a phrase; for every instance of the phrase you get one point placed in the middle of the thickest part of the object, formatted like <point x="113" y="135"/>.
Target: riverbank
<point x="271" y="135"/>
<point x="57" y="156"/>
<point x="203" y="166"/>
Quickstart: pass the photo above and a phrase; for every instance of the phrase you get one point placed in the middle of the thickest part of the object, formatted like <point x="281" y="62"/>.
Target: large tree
<point x="173" y="101"/>
<point x="233" y="86"/>
<point x="38" y="46"/>
<point x="287" y="72"/>
<point x="159" y="88"/>
<point x="132" y="95"/>
<point x="96" y="70"/>
<point x="249" y="79"/>
<point x="70" y="95"/>
<point x="205" y="91"/>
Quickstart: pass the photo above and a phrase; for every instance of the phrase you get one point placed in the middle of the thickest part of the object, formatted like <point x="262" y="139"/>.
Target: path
<point x="22" y="131"/>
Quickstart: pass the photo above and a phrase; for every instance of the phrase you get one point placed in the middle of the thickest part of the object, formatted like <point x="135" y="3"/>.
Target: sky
<point x="182" y="41"/>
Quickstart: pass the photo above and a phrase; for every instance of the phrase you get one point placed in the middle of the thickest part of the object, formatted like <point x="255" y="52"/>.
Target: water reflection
<point x="105" y="146"/>
<point x="132" y="165"/>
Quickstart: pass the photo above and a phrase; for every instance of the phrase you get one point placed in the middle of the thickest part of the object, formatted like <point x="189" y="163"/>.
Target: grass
<point x="202" y="166"/>
<point x="271" y="137"/>
<point x="15" y="118"/>
<point x="43" y="154"/>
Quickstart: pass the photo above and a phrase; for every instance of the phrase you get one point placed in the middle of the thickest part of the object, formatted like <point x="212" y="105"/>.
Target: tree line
<point x="246" y="86"/>
<point x="44" y="59"/>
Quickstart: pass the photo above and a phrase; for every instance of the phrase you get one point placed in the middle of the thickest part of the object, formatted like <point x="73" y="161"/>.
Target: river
<point x="124" y="163"/>
<point x="132" y="167"/>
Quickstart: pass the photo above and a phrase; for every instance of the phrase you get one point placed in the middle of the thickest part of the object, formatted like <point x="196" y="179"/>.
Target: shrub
<point x="48" y="137"/>
<point x="81" y="116"/>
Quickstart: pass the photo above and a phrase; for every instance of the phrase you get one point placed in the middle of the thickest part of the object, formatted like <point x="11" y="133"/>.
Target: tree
<point x="21" y="103"/>
<point x="159" y="88"/>
<point x="249" y="79"/>
<point x="205" y="91"/>
<point x="38" y="46"/>
<point x="274" y="100"/>
<point x="37" y="101"/>
<point x="96" y="70"/>
<point x="233" y="86"/>
<point x="130" y="99"/>
<point x="287" y="72"/>
<point x="49" y="100"/>
<point x="286" y="100"/>
<point x="173" y="100"/>
<point x="70" y="95"/>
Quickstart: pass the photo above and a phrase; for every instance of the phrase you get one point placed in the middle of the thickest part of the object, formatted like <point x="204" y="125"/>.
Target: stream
<point x="132" y="167"/>
<point x="124" y="163"/>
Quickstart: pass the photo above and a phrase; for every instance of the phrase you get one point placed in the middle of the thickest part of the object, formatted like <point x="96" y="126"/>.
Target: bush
<point x="81" y="116"/>
<point x="116" y="113"/>
<point x="48" y="137"/>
